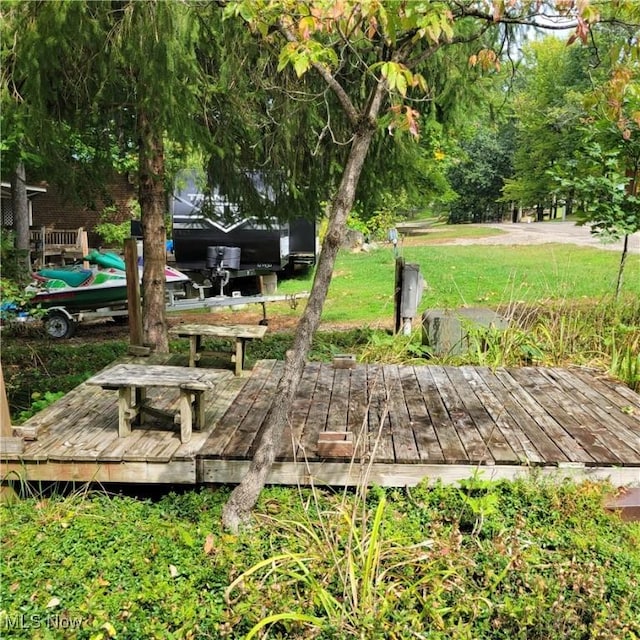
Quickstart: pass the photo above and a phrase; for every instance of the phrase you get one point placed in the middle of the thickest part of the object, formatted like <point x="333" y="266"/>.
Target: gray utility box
<point x="412" y="288"/>
<point x="444" y="331"/>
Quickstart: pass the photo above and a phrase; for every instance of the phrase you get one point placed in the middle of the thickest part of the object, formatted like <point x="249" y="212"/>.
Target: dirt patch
<point x="104" y="330"/>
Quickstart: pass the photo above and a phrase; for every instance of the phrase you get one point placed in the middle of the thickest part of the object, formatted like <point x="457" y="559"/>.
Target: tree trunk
<point x="20" y="204"/>
<point x="245" y="495"/>
<point x="568" y="206"/>
<point x="154" y="234"/>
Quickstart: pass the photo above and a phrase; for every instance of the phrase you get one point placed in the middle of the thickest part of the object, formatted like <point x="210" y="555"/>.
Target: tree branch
<point x="328" y="77"/>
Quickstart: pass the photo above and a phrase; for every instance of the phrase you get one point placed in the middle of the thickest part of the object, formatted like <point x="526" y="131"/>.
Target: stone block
<point x="445" y="331"/>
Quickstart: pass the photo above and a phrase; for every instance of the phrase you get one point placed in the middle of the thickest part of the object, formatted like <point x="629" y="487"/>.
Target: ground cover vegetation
<point x="524" y="559"/>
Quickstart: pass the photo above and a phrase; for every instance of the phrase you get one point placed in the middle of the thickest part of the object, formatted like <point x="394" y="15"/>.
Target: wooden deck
<point x="408" y="423"/>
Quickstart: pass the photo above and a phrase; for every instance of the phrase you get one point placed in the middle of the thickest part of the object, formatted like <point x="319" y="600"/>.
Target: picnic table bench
<point x="132" y="381"/>
<point x="241" y="333"/>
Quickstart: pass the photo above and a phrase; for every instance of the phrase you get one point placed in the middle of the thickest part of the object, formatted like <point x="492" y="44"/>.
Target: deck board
<point x="230" y="422"/>
<point x="317" y="415"/>
<point x="565" y="412"/>
<point x="506" y="430"/>
<point x="244" y="440"/>
<point x="423" y="429"/>
<point x="408" y="422"/>
<point x="452" y="448"/>
<point x="541" y="420"/>
<point x="475" y="447"/>
<point x="357" y="416"/>
<point x="495" y="441"/>
<point x="379" y="432"/>
<point x="405" y="448"/>
<point x="605" y="437"/>
<point x="115" y="450"/>
<point x="290" y="446"/>
<point x="618" y="426"/>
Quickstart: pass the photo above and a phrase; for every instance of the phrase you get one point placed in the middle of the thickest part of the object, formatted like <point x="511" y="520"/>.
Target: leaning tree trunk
<point x="244" y="497"/>
<point x="20" y="205"/>
<point x="154" y="234"/>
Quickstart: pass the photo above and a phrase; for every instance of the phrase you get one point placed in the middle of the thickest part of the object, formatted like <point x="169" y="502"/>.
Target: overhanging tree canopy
<point x="375" y="57"/>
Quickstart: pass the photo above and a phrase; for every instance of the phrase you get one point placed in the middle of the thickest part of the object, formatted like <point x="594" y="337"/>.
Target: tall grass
<point x="561" y="333"/>
<point x="421" y="565"/>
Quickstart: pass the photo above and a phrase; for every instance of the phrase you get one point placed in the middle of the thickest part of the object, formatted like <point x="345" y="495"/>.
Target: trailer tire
<point x="59" y="325"/>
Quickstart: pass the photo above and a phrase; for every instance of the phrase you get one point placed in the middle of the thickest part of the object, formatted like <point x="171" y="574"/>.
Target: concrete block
<point x="444" y="331"/>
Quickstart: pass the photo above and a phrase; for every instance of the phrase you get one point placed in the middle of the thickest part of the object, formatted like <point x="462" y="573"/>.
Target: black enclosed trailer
<point x="203" y="225"/>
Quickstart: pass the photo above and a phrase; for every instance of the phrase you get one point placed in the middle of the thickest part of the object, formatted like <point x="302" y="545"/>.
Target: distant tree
<point x="604" y="175"/>
<point x="603" y="172"/>
<point x="478" y="178"/>
<point x="547" y="107"/>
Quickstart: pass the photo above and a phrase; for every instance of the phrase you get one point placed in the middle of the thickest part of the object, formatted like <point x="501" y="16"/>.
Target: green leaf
<point x="301" y="64"/>
<point x="401" y="84"/>
<point x="277" y="617"/>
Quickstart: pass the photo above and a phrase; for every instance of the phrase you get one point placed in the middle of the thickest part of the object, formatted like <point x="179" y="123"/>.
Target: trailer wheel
<point x="59" y="325"/>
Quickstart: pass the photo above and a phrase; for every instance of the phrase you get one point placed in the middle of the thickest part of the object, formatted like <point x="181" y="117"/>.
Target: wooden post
<point x="133" y="292"/>
<point x="8" y="443"/>
<point x="43" y="246"/>
<point x="6" y="431"/>
<point x="83" y="243"/>
<point x="397" y="295"/>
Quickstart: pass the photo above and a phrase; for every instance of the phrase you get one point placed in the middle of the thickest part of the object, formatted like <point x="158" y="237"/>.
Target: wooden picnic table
<point x="241" y="333"/>
<point x="132" y="381"/>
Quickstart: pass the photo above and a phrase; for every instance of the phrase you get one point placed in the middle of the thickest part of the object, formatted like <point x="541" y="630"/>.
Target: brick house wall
<point x="53" y="209"/>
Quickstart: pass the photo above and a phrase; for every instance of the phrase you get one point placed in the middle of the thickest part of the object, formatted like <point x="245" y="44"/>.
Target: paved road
<point x="545" y="232"/>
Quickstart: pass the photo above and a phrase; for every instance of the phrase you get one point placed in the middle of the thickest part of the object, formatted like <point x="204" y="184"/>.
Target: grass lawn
<point x="362" y="286"/>
<point x="442" y="233"/>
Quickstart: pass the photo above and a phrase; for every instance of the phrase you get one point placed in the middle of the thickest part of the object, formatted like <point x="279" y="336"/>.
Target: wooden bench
<point x="241" y="333"/>
<point x="132" y="382"/>
<point x="65" y="243"/>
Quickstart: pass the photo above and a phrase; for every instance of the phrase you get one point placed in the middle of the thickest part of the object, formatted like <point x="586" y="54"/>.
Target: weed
<point x="624" y="348"/>
<point x="29" y="370"/>
<point x="547" y="561"/>
<point x="39" y="402"/>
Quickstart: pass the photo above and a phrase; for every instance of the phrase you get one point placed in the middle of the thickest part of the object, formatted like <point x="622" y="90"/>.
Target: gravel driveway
<point x="545" y="232"/>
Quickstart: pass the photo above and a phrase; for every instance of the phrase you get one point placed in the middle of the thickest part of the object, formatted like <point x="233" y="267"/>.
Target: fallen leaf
<point x="208" y="544"/>
<point x="54" y="602"/>
<point x="173" y="570"/>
